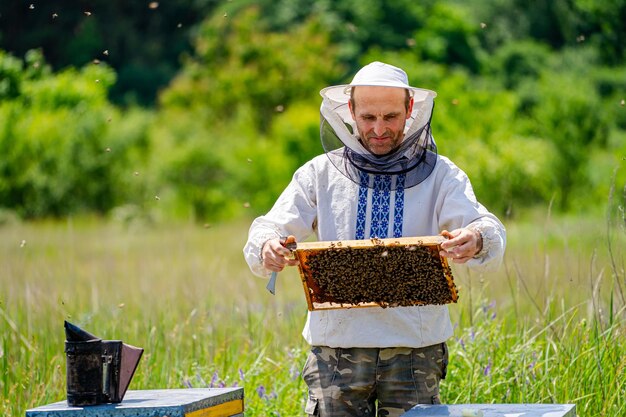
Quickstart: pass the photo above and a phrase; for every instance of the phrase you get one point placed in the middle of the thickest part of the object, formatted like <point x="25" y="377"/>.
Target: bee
<point x="385" y="275"/>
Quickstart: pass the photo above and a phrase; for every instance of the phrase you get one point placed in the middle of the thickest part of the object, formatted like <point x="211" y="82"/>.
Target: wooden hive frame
<point x="316" y="297"/>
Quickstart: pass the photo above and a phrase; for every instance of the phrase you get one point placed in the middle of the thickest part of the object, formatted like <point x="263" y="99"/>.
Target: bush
<point x="212" y="171"/>
<point x="60" y="153"/>
<point x="10" y="76"/>
<point x="568" y="116"/>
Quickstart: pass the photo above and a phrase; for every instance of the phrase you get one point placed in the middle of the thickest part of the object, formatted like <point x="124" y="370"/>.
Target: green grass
<point x="547" y="327"/>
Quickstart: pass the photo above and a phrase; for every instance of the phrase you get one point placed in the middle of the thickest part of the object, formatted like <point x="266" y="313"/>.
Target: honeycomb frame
<point x="320" y="297"/>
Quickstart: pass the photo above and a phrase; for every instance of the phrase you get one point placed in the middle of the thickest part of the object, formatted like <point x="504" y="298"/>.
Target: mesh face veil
<point x="414" y="159"/>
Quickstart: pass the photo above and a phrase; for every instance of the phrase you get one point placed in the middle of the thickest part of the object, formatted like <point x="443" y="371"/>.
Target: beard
<point x="384" y="147"/>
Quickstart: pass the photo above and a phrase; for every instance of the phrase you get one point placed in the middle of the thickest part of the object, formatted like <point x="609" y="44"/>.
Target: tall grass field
<point x="547" y="327"/>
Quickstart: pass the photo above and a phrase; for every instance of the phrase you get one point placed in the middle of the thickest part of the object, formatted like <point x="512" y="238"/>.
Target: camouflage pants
<point x="372" y="381"/>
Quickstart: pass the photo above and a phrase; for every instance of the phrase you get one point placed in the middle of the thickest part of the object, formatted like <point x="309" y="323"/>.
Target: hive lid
<point x="375" y="273"/>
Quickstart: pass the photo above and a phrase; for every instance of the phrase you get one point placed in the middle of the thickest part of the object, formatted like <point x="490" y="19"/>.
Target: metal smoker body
<point x="98" y="371"/>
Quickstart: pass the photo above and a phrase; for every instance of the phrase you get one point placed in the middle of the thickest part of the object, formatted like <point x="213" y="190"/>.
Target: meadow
<point x="547" y="327"/>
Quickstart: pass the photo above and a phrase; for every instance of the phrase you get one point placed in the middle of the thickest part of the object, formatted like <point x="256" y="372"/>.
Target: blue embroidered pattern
<point x="381" y="199"/>
<point x="399" y="207"/>
<point x="381" y="206"/>
<point x="362" y="207"/>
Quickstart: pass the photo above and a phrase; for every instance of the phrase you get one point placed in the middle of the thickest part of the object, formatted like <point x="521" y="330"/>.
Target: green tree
<point x="518" y="61"/>
<point x="354" y="25"/>
<point x="141" y="41"/>
<point x="603" y="24"/>
<point x="219" y="113"/>
<point x="569" y="118"/>
<point x="556" y="23"/>
<point x="239" y="63"/>
<point x="449" y="37"/>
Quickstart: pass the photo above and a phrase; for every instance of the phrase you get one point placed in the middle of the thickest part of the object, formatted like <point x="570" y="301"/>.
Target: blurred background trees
<point x="202" y="108"/>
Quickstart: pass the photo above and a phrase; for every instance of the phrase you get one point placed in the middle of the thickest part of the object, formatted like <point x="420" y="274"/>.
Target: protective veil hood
<point x="411" y="163"/>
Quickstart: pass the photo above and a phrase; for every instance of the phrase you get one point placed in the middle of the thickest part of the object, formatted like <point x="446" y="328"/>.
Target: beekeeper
<point x="380" y="177"/>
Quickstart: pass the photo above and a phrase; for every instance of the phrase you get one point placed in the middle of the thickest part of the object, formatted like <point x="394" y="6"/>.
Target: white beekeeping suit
<point x="349" y="193"/>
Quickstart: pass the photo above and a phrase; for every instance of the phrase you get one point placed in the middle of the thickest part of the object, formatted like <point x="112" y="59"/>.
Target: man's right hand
<point x="276" y="256"/>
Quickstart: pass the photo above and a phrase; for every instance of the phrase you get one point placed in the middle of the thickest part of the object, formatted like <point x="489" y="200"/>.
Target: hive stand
<point x="192" y="402"/>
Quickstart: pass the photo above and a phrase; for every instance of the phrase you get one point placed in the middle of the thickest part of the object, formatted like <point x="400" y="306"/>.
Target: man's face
<point x="380" y="114"/>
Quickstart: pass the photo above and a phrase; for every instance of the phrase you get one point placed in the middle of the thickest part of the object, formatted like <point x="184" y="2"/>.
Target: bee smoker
<point x="98" y="371"/>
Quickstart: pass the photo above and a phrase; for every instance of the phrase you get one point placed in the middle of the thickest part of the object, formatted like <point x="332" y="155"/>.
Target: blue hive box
<point x="493" y="410"/>
<point x="192" y="402"/>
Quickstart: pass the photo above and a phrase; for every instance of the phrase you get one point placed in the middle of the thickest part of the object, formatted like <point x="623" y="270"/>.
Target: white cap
<point x="381" y="74"/>
<point x="377" y="74"/>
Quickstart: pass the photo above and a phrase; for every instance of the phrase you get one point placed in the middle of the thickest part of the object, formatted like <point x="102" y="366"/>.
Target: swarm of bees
<point x="383" y="275"/>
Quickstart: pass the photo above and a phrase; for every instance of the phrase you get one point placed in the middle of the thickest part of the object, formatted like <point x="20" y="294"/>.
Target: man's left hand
<point x="462" y="244"/>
